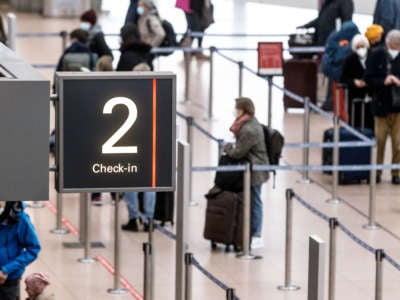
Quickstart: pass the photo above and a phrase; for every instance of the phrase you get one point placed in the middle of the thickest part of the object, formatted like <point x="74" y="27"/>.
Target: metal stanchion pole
<point x="117" y="290"/>
<point x="372" y="193"/>
<point x="246" y="247"/>
<point x="270" y="84"/>
<point x="148" y="293"/>
<point x="379" y="256"/>
<point x="188" y="275"/>
<point x="230" y="294"/>
<point x="288" y="285"/>
<point x="187" y="57"/>
<point x="82" y="224"/>
<point x="189" y="135"/>
<point x="12" y="31"/>
<point x="59" y="226"/>
<point x="211" y="90"/>
<point x="150" y="241"/>
<point x="181" y="219"/>
<point x="86" y="257"/>
<point x="306" y="139"/>
<point x="64" y="40"/>
<point x="240" y="65"/>
<point x="333" y="223"/>
<point x="335" y="174"/>
<point x="220" y="148"/>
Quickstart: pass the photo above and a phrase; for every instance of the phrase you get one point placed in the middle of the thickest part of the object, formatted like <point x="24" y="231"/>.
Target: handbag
<point x="207" y="15"/>
<point x="230" y="181"/>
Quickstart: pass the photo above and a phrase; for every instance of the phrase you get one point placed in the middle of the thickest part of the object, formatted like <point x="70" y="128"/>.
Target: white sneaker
<point x="257" y="242"/>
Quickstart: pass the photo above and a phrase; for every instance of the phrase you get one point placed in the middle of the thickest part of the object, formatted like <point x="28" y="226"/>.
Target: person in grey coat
<point x="250" y="144"/>
<point x="387" y="14"/>
<point x="325" y="23"/>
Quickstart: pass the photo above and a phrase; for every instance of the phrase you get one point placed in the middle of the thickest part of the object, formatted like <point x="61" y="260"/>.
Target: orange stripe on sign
<point x="154" y="154"/>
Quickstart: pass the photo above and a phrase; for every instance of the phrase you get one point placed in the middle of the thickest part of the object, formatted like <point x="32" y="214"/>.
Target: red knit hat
<point x="89" y="16"/>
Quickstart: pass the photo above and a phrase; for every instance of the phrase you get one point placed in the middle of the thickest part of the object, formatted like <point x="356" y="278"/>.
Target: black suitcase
<point x="348" y="156"/>
<point x="165" y="207"/>
<point x="223" y="219"/>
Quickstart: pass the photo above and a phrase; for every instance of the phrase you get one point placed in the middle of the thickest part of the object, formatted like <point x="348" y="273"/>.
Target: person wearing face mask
<point x="250" y="145"/>
<point x="96" y="42"/>
<point x="19" y="246"/>
<point x="149" y="24"/>
<point x="353" y="76"/>
<point x="382" y="75"/>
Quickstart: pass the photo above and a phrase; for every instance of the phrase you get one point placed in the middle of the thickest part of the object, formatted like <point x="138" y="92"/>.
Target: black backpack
<point x="170" y="37"/>
<point x="274" y="142"/>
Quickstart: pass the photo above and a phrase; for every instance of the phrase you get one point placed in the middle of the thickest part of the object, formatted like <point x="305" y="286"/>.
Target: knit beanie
<point x="89" y="16"/>
<point x="37" y="282"/>
<point x="374" y="31"/>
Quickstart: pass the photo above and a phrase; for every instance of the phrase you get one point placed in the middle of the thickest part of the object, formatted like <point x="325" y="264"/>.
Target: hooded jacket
<point x="134" y="53"/>
<point x="325" y="23"/>
<point x="19" y="246"/>
<point x="338" y="48"/>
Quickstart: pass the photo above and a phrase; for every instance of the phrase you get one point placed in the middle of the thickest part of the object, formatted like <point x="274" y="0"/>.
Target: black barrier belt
<point x="391" y="261"/>
<point x="311" y="208"/>
<point x="195" y="263"/>
<point x="355" y="239"/>
<point x="211" y="276"/>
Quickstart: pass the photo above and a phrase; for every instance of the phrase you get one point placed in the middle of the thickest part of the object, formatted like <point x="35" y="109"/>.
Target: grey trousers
<point x="10" y="290"/>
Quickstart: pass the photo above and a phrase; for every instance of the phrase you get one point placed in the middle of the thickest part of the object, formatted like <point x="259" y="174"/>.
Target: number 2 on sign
<point x="109" y="146"/>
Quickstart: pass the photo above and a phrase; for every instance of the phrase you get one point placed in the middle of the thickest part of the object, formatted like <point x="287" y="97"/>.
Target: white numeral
<point x="109" y="146"/>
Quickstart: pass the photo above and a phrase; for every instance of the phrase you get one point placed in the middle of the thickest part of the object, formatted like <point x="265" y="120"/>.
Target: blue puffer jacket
<point x="19" y="246"/>
<point x="337" y="49"/>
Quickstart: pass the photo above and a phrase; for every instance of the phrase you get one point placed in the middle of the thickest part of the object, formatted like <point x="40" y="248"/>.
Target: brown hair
<point x="80" y="34"/>
<point x="246" y="105"/>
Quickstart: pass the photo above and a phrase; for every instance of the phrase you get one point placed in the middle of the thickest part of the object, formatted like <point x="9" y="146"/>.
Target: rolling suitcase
<point x="223" y="219"/>
<point x="300" y="77"/>
<point x="165" y="206"/>
<point x="348" y="155"/>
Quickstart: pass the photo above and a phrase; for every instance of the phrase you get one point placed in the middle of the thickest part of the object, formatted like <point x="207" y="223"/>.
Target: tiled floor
<point x="255" y="280"/>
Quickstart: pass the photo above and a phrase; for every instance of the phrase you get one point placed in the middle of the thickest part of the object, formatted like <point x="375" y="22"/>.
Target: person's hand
<point x="3" y="277"/>
<point x="359" y="83"/>
<point x="390" y="79"/>
<point x="396" y="81"/>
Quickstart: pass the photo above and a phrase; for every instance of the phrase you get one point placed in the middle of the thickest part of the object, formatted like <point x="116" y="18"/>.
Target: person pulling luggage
<point x="250" y="144"/>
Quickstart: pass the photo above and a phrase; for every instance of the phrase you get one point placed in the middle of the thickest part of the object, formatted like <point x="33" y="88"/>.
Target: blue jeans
<point x="256" y="211"/>
<point x="149" y="203"/>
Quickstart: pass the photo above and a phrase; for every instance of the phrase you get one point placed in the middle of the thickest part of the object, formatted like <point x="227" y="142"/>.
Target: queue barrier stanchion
<point x="270" y="85"/>
<point x="306" y="139"/>
<point x="246" y="242"/>
<point x="288" y="285"/>
<point x="151" y="242"/>
<point x="240" y="65"/>
<point x="59" y="215"/>
<point x="86" y="259"/>
<point x="189" y="135"/>
<point x="379" y="256"/>
<point x="230" y="294"/>
<point x="372" y="225"/>
<point x="147" y="288"/>
<point x="117" y="290"/>
<point x="188" y="276"/>
<point x="211" y="87"/>
<point x="12" y="31"/>
<point x="187" y="57"/>
<point x="335" y="162"/>
<point x="333" y="223"/>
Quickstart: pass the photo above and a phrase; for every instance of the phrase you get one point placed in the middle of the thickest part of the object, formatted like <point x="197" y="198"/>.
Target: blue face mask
<point x="140" y="10"/>
<point x="85" y="26"/>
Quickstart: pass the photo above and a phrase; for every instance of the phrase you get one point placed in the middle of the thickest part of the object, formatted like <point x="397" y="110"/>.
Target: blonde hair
<point x="393" y="37"/>
<point x="357" y="39"/>
<point x="142" y="67"/>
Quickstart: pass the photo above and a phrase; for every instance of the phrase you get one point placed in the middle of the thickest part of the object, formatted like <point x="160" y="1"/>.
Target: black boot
<point x="131" y="226"/>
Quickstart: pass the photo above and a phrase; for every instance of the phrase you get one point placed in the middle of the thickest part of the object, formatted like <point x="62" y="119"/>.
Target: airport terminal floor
<point x="251" y="279"/>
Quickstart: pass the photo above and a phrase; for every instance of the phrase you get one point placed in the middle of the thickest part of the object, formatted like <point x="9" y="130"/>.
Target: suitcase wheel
<point x="214" y="245"/>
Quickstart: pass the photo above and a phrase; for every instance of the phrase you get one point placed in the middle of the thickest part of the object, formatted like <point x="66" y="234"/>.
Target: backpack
<point x="274" y="142"/>
<point x="170" y="37"/>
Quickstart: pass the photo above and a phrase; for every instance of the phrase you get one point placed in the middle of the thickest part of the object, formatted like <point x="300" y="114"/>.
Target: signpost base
<point x="117" y="291"/>
<point x="288" y="288"/>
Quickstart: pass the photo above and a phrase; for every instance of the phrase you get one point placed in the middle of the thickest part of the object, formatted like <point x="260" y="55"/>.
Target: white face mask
<point x="362" y="52"/>
<point x="393" y="53"/>
<point x="85" y="26"/>
<point x="140" y="10"/>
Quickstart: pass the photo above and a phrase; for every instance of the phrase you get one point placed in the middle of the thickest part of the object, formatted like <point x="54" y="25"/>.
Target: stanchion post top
<point x="379" y="255"/>
<point x="289" y="194"/>
<point x="213" y="49"/>
<point x="147" y="248"/>
<point x="333" y="223"/>
<point x="188" y="259"/>
<point x="63" y="33"/>
<point x="190" y="120"/>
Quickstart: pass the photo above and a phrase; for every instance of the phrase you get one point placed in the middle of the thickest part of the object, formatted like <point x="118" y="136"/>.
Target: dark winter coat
<point x="375" y="75"/>
<point x="387" y="14"/>
<point x="197" y="6"/>
<point x="77" y="47"/>
<point x="134" y="53"/>
<point x="325" y="23"/>
<point x="250" y="144"/>
<point x="97" y="42"/>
